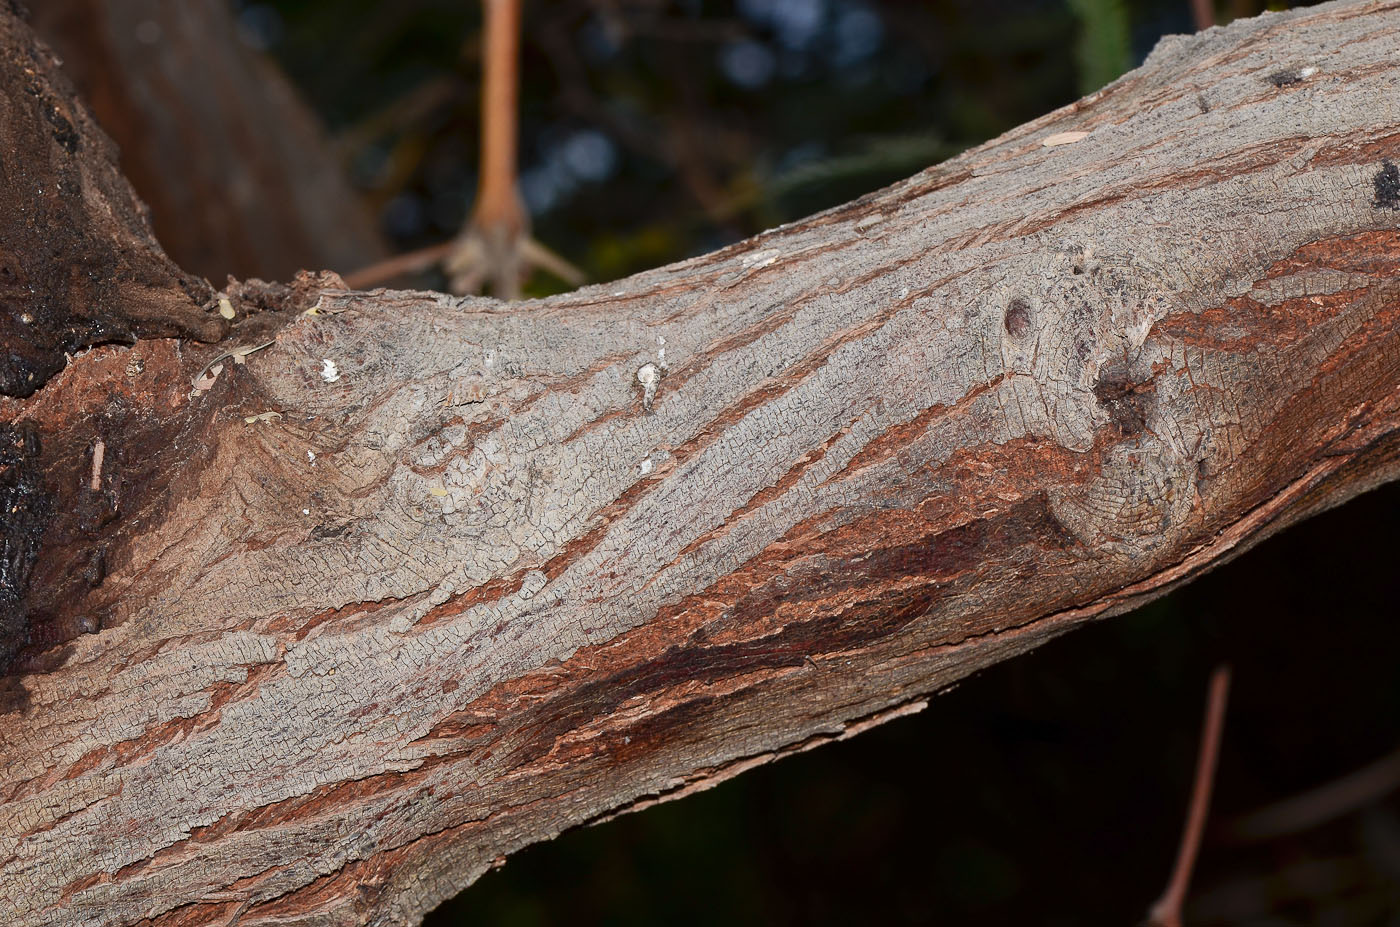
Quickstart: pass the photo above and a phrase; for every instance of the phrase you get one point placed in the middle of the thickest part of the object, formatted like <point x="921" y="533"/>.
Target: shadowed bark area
<point x="424" y="580"/>
<point x="78" y="265"/>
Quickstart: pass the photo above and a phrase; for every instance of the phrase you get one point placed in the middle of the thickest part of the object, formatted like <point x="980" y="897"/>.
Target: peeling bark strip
<point x="490" y="581"/>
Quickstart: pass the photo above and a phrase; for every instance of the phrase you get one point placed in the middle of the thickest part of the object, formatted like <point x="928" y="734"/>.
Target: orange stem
<point x="496" y="197"/>
<point x="1203" y="12"/>
<point x="1167" y="911"/>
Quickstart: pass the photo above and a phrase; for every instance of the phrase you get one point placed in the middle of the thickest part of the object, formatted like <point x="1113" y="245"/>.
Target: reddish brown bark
<point x="238" y="173"/>
<point x="427" y="580"/>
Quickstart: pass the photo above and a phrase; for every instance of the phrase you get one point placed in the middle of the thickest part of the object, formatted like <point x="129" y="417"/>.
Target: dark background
<point x="1050" y="790"/>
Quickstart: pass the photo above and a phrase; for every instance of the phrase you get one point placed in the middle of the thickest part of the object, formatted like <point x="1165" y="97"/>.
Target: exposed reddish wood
<point x="471" y="582"/>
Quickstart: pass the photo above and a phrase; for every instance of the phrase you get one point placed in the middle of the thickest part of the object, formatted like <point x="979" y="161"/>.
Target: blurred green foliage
<point x="1104" y="49"/>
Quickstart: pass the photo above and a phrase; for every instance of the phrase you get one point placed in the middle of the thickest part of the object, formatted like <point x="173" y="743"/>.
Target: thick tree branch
<point x="429" y="579"/>
<point x="236" y="168"/>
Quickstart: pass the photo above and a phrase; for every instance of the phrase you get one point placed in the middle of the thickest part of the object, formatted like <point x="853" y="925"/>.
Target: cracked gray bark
<point x="430" y="579"/>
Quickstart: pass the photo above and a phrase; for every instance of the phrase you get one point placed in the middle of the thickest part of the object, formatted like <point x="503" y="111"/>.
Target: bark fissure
<point x="429" y="579"/>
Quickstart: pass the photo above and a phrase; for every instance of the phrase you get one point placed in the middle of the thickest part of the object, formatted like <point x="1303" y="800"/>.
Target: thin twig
<point x="411" y="262"/>
<point x="1317" y="806"/>
<point x="236" y="355"/>
<point x="547" y="260"/>
<point x="1167" y="911"/>
<point x="1203" y="12"/>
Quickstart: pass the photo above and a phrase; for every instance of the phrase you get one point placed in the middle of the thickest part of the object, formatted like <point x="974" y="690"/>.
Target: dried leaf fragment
<point x="206" y="378"/>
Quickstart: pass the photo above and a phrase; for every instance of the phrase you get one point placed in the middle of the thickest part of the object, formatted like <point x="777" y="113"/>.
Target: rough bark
<point x="429" y="579"/>
<point x="78" y="264"/>
<point x="237" y="170"/>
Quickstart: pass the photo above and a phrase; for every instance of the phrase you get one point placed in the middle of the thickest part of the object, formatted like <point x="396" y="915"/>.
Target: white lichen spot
<point x="225" y="307"/>
<point x="1064" y="138"/>
<point x="648" y="375"/>
<point x="532" y="583"/>
<point x="329" y="372"/>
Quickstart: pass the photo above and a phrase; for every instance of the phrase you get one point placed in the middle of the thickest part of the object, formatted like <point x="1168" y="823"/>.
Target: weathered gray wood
<point x="439" y="578"/>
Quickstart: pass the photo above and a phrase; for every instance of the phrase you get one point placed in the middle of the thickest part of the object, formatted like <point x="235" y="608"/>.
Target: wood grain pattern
<point x="471" y="586"/>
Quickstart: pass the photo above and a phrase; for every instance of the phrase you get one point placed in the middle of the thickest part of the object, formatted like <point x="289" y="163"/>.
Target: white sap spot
<point x="329" y="372"/>
<point x="648" y="375"/>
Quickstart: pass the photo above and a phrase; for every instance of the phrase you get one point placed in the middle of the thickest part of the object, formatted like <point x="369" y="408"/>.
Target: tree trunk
<point x="426" y="580"/>
<point x="237" y="171"/>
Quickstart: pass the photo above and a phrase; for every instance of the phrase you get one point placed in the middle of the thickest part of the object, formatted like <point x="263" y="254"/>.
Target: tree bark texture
<point x="426" y="580"/>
